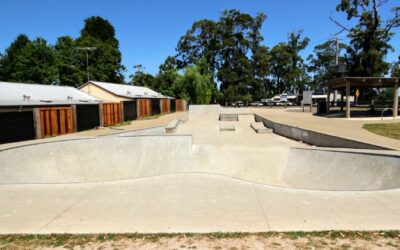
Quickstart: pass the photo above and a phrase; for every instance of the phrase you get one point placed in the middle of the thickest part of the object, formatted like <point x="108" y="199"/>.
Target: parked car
<point x="283" y="103"/>
<point x="256" y="103"/>
<point x="238" y="104"/>
<point x="267" y="102"/>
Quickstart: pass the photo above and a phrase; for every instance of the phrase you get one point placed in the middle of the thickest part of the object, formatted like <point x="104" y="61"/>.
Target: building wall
<point x="101" y="94"/>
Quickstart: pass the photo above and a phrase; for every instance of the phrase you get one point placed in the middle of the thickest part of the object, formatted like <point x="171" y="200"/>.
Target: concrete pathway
<point x="190" y="203"/>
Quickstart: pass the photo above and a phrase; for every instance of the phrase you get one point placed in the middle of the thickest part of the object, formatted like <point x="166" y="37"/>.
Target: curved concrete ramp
<point x="122" y="158"/>
<point x="334" y="170"/>
<point x="102" y="159"/>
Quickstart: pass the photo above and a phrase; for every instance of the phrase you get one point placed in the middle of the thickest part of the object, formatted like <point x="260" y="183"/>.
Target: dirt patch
<point x="270" y="240"/>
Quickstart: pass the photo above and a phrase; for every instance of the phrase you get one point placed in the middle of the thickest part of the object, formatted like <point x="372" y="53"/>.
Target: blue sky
<point x="149" y="30"/>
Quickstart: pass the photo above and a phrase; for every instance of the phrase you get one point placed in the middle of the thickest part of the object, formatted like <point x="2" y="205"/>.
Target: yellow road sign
<point x="357" y="93"/>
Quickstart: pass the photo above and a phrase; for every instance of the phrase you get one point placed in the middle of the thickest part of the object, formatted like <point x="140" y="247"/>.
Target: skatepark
<point x="218" y="170"/>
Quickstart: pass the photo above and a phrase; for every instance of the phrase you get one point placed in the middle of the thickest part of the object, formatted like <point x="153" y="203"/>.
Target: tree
<point x="69" y="62"/>
<point x="99" y="28"/>
<point x="369" y="38"/>
<point x="7" y="61"/>
<point x="196" y="84"/>
<point x="396" y="69"/>
<point x="322" y="63"/>
<point x="288" y="70"/>
<point x="140" y="78"/>
<point x="105" y="61"/>
<point x="229" y="46"/>
<point x="200" y="41"/>
<point x="35" y="63"/>
<point x="280" y="64"/>
<point x="167" y="77"/>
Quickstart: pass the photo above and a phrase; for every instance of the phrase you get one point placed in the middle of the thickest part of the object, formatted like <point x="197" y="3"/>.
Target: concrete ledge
<point x="315" y="138"/>
<point x="173" y="126"/>
<point x="228" y="117"/>
<point x="226" y="127"/>
<point x="260" y="128"/>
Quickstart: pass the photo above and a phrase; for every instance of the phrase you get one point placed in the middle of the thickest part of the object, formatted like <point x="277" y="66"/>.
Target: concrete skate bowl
<point x="123" y="158"/>
<point x="99" y="159"/>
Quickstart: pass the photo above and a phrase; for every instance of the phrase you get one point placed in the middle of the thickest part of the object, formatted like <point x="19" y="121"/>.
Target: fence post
<point x="74" y="119"/>
<point x="101" y="115"/>
<point x="36" y="123"/>
<point x="122" y="111"/>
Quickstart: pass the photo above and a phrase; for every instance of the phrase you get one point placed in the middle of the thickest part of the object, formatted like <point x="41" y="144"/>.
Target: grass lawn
<point x="268" y="240"/>
<point x="391" y="130"/>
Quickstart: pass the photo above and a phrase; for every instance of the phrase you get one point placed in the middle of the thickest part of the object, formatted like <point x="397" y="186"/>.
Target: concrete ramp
<point x="346" y="171"/>
<point x="204" y="112"/>
<point x="102" y="159"/>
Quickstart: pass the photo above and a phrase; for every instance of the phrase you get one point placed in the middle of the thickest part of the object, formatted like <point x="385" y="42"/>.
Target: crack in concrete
<point x="261" y="206"/>
<point x="70" y="207"/>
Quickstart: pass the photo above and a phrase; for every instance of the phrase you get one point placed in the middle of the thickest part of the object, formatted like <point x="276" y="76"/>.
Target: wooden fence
<point x="111" y="114"/>
<point x="144" y="107"/>
<point x="165" y="105"/>
<point x="180" y="105"/>
<point x="55" y="121"/>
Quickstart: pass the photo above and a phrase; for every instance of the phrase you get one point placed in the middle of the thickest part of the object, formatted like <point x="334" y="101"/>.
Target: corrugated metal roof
<point x="39" y="94"/>
<point x="129" y="91"/>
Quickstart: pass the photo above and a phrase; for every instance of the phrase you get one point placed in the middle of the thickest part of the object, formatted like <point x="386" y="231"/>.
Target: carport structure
<point x="348" y="83"/>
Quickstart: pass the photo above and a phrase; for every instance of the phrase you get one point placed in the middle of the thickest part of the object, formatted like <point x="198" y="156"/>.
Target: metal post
<point x="341" y="100"/>
<point x="328" y="100"/>
<point x="87" y="49"/>
<point x="337" y="51"/>
<point x="87" y="64"/>
<point x="347" y="100"/>
<point x="395" y="100"/>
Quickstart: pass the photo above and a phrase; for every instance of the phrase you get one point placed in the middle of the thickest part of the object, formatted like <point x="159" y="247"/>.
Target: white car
<point x="283" y="103"/>
<point x="256" y="103"/>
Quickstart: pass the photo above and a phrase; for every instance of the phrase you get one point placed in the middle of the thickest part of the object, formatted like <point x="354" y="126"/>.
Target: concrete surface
<point x="197" y="180"/>
<point x="190" y="203"/>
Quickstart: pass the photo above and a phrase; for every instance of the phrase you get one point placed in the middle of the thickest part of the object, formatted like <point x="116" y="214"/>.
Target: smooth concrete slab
<point x="190" y="203"/>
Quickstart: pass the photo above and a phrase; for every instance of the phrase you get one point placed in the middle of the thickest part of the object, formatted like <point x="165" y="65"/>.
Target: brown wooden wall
<point x="144" y="107"/>
<point x="112" y="114"/>
<point x="180" y="105"/>
<point x="56" y="121"/>
<point x="165" y="106"/>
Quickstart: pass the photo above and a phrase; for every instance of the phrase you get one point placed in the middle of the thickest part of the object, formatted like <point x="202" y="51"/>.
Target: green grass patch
<point x="391" y="130"/>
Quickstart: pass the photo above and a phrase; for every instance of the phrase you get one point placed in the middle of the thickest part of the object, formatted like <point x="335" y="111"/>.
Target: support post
<point x="395" y="100"/>
<point x="101" y="115"/>
<point x="36" y="123"/>
<point x="122" y="111"/>
<point x="347" y="100"/>
<point x="74" y="118"/>
<point x="341" y="100"/>
<point x="328" y="101"/>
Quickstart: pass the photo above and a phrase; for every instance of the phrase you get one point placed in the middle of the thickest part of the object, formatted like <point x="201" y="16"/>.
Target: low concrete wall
<point x="337" y="170"/>
<point x="315" y="138"/>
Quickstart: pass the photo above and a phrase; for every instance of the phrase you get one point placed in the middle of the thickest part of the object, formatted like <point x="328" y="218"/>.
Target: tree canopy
<point x="64" y="63"/>
<point x="222" y="60"/>
<point x="369" y="38"/>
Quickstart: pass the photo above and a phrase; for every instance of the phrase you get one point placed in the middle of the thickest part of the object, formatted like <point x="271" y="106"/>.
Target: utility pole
<point x="87" y="49"/>
<point x="336" y="63"/>
<point x="337" y="51"/>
